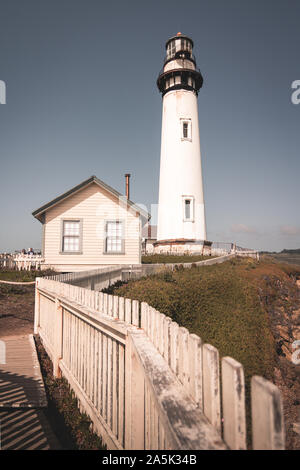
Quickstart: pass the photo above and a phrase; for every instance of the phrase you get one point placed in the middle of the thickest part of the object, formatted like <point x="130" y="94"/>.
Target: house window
<point x="71" y="236"/>
<point x="186" y="129"/>
<point x="188" y="209"/>
<point x="114" y="239"/>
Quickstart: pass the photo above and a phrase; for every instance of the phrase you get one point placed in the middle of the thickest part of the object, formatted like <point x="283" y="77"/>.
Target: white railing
<point x="6" y="261"/>
<point x="147" y="383"/>
<point x="28" y="262"/>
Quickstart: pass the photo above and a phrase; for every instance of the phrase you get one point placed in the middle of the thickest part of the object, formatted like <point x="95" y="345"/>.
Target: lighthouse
<point x="181" y="213"/>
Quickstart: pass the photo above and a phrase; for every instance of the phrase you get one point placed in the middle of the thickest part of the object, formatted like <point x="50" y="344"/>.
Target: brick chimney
<point x="127" y="185"/>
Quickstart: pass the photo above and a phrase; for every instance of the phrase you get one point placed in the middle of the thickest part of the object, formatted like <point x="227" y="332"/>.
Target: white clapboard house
<point x="90" y="225"/>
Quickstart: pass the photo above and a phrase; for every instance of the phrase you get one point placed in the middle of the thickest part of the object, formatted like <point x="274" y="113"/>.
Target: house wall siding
<point x="94" y="206"/>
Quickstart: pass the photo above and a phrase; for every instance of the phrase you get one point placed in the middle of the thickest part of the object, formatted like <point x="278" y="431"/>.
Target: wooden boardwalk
<point x="23" y="421"/>
<point x="26" y="429"/>
<point x="21" y="382"/>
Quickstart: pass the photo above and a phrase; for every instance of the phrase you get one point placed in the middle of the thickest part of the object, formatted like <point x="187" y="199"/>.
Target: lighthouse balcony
<point x="180" y="78"/>
<point x="178" y="66"/>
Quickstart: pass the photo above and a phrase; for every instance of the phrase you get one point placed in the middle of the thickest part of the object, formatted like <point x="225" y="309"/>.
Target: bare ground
<point x="16" y="310"/>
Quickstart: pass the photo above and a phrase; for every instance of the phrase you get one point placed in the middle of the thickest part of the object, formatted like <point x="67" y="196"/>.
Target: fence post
<point x="37" y="307"/>
<point x="105" y="304"/>
<point x="233" y="400"/>
<point x="121" y="308"/>
<point x="128" y="311"/>
<point x="144" y="316"/>
<point x="161" y="336"/>
<point x="183" y="356"/>
<point x="135" y="313"/>
<point x="134" y="399"/>
<point x="267" y="415"/>
<point x="211" y="385"/>
<point x="58" y="322"/>
<point x="116" y="306"/>
<point x="110" y="305"/>
<point x="167" y="321"/>
<point x="195" y="369"/>
<point x="173" y="357"/>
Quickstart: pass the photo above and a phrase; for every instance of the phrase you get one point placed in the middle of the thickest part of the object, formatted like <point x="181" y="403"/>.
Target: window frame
<point x="62" y="235"/>
<point x="185" y="130"/>
<point x="187" y="121"/>
<point x="109" y="221"/>
<point x="192" y="208"/>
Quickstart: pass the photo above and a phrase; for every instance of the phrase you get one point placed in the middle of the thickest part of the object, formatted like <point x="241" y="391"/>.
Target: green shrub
<point x="221" y="305"/>
<point x="23" y="276"/>
<point x="157" y="259"/>
<point x="167" y="276"/>
<point x="216" y="303"/>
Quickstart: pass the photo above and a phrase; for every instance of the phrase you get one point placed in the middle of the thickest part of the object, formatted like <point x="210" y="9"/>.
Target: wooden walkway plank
<point x="26" y="429"/>
<point x="24" y="423"/>
<point x="21" y="382"/>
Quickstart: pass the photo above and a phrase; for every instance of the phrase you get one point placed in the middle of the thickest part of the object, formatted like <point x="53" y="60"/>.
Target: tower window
<point x="188" y="208"/>
<point x="186" y="45"/>
<point x="171" y="49"/>
<point x="184" y="79"/>
<point x="186" y="129"/>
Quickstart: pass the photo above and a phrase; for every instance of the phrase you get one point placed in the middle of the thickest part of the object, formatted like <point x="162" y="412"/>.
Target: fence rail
<point x="146" y="382"/>
<point x="97" y="279"/>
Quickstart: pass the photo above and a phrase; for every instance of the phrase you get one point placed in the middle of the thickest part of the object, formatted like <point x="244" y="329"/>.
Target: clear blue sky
<point x="82" y="100"/>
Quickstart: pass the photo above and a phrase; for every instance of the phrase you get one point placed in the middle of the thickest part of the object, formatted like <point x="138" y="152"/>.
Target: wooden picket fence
<point x="146" y="382"/>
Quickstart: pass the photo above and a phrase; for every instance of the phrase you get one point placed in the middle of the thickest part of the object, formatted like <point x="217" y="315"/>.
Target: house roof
<point x="38" y="213"/>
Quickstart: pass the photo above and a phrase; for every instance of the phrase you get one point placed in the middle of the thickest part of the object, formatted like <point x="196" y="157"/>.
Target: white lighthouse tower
<point x="181" y="214"/>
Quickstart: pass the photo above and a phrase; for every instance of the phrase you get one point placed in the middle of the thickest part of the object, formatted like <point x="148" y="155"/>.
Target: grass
<point x="10" y="290"/>
<point x="22" y="276"/>
<point x="154" y="259"/>
<point x="219" y="303"/>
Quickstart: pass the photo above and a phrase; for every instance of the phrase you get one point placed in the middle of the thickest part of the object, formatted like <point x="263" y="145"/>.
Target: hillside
<point x="249" y="310"/>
